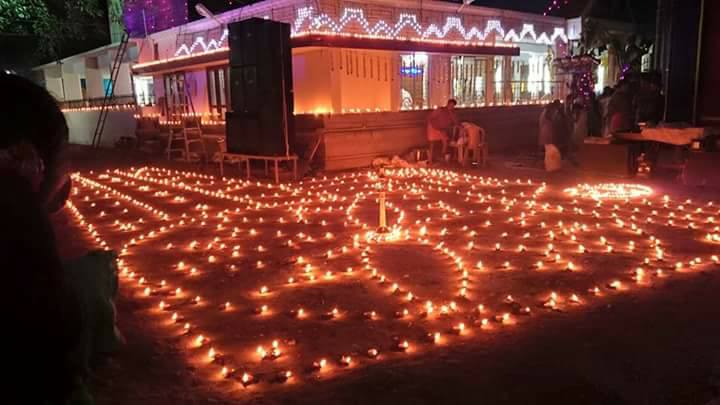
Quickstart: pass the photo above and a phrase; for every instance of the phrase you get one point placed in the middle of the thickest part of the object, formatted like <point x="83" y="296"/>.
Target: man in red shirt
<point x="441" y="124"/>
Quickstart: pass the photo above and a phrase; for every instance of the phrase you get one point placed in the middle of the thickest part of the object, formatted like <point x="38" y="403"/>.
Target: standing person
<point x="552" y="124"/>
<point x="440" y="127"/>
<point x="621" y="109"/>
<point x="562" y="127"/>
<point x="580" y="131"/>
<point x="547" y="124"/>
<point x="650" y="101"/>
<point x="547" y="135"/>
<point x="594" y="116"/>
<point x="603" y="102"/>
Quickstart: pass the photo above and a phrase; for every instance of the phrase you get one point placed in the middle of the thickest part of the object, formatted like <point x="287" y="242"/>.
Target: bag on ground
<point x="553" y="159"/>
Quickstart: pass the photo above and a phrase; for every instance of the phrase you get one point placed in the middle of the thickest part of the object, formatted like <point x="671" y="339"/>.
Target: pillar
<point x="53" y="82"/>
<point x="507" y="75"/>
<point x="93" y="78"/>
<point x="439" y="86"/>
<point x="71" y="83"/>
<point x="394" y="77"/>
<point x="123" y="86"/>
<point x="490" y="80"/>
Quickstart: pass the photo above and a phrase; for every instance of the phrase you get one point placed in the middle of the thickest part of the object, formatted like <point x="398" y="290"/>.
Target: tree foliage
<point x="55" y="24"/>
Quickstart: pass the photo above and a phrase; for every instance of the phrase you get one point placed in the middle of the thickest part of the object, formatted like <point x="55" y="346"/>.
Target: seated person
<point x="441" y="124"/>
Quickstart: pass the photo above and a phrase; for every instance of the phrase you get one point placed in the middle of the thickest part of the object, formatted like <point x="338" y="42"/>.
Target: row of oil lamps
<point x="274" y="350"/>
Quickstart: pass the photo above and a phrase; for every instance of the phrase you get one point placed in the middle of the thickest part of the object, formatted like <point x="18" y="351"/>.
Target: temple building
<point x="366" y="57"/>
<point x="365" y="74"/>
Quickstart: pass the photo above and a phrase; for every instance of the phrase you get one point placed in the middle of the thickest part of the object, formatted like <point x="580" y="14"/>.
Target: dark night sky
<point x="531" y="6"/>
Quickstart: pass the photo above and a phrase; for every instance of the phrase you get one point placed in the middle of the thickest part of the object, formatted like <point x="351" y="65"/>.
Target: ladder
<point x="185" y="134"/>
<point x="110" y="93"/>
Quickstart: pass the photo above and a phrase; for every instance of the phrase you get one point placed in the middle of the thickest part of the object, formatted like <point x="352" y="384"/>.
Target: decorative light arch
<point x="406" y="27"/>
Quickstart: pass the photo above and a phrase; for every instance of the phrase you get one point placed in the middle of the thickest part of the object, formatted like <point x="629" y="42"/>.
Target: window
<point x="530" y="77"/>
<point x="144" y="90"/>
<point x="498" y="78"/>
<point x="156" y="51"/>
<point x="478" y="80"/>
<point x="107" y="85"/>
<point x="175" y="95"/>
<point x="646" y="62"/>
<point x="414" y="81"/>
<point x="83" y="87"/>
<point x="468" y="79"/>
<point x="218" y="90"/>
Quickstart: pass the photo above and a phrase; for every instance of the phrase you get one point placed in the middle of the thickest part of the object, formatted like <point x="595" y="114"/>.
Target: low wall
<point x="354" y="140"/>
<point x="82" y="126"/>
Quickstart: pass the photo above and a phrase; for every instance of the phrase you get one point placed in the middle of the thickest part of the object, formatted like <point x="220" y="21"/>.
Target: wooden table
<point x="670" y="136"/>
<point x="267" y="159"/>
<point x="649" y="140"/>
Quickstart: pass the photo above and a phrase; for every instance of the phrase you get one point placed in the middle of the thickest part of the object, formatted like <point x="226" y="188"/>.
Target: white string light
<point x="406" y="27"/>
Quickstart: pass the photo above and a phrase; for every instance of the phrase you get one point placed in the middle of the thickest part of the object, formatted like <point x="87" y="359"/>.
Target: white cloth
<point x="473" y="134"/>
<point x="673" y="136"/>
<point x="553" y="159"/>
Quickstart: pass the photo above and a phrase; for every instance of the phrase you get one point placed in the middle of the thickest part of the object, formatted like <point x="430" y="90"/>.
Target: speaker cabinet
<point x="261" y="121"/>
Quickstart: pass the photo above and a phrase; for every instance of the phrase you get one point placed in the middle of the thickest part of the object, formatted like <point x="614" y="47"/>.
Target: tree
<point x="55" y="25"/>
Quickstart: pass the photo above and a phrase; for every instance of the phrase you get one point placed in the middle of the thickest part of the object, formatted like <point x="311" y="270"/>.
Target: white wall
<point x="312" y="82"/>
<point x="82" y="126"/>
<point x="122" y="84"/>
<point x="199" y="91"/>
<point x="71" y="83"/>
<point x="93" y="78"/>
<point x="365" y="79"/>
<point x="54" y="86"/>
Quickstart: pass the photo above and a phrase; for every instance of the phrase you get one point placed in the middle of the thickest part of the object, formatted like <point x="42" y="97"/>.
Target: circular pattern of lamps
<point x="258" y="281"/>
<point x="609" y="191"/>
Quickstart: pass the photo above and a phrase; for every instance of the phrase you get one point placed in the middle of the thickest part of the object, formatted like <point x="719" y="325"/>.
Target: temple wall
<point x="354" y="140"/>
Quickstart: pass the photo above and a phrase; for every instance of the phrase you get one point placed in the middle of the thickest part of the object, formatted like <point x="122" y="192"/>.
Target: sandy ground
<point x="653" y="343"/>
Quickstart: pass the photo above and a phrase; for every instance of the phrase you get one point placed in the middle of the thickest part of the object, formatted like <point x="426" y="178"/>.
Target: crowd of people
<point x="622" y="108"/>
<point x="562" y="125"/>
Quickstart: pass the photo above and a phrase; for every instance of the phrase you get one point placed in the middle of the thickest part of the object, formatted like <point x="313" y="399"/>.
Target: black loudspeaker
<point x="261" y="98"/>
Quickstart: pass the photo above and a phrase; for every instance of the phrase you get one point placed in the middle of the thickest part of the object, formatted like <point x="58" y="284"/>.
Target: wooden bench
<point x="233" y="158"/>
<point x="267" y="159"/>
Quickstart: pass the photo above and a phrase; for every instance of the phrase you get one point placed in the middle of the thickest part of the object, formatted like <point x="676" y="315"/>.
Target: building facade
<point x="365" y="74"/>
<point x="364" y="57"/>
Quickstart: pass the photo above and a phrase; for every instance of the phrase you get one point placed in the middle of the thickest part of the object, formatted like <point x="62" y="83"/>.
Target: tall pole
<point x="697" y="62"/>
<point x="62" y="80"/>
